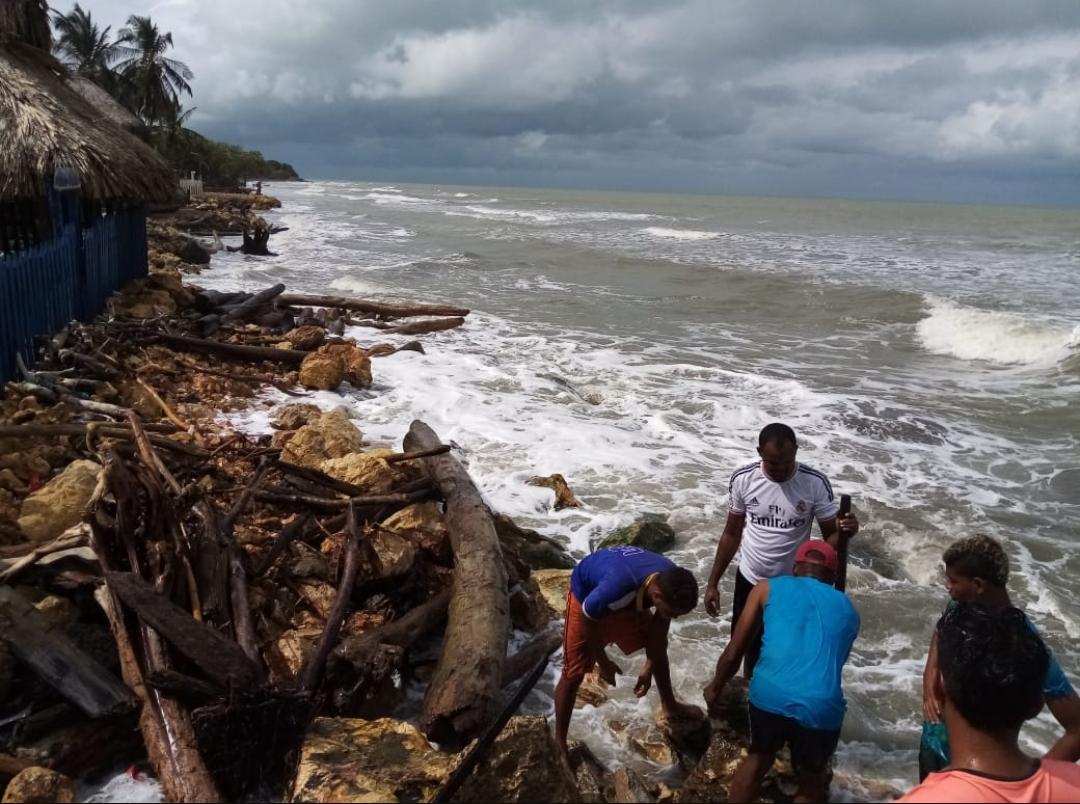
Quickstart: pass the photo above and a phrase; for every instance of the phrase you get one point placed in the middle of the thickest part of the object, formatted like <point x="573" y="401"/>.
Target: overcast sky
<point x="965" y="100"/>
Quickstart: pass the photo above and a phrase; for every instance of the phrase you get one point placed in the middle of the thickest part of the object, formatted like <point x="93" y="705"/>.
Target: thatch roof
<point x="107" y="106"/>
<point x="44" y="124"/>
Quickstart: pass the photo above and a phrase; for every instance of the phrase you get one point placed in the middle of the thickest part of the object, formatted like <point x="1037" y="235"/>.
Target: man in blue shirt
<point x="795" y="692"/>
<point x="625" y="596"/>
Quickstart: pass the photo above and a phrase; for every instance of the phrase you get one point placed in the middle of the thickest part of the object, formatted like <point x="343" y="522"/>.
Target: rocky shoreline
<point x="275" y="603"/>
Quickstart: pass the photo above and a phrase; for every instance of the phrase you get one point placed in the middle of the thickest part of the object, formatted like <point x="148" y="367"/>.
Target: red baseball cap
<point x="817" y="552"/>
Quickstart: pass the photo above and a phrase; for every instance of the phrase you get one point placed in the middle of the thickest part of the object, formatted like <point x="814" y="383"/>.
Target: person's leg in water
<point x="746" y="781"/>
<point x="743" y="588"/>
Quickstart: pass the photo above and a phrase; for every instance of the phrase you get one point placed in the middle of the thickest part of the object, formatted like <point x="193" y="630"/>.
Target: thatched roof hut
<point x="44" y="123"/>
<point x="107" y="106"/>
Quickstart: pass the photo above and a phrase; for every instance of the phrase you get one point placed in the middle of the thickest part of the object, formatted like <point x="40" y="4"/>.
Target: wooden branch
<point x="170" y="414"/>
<point x="402" y="632"/>
<point x="62" y="543"/>
<point x="248" y="306"/>
<point x="313" y="673"/>
<point x="402" y="457"/>
<point x="463" y="694"/>
<point x="108" y="429"/>
<point x="323" y="479"/>
<point x="238" y="593"/>
<point x="384" y="309"/>
<point x="367" y="501"/>
<point x="172" y="751"/>
<point x="54" y="657"/>
<point x="543" y="644"/>
<point x="220" y="659"/>
<point x="291" y="531"/>
<point x="424" y="327"/>
<point x="232" y="351"/>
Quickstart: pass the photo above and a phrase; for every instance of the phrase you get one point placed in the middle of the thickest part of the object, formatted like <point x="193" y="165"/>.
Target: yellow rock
<point x="332" y="435"/>
<point x="59" y="504"/>
<point x="368" y="761"/>
<point x="554" y="585"/>
<point x="35" y="785"/>
<point x="322" y="372"/>
<point x="368" y="470"/>
<point x="417" y="517"/>
<point x="355" y="361"/>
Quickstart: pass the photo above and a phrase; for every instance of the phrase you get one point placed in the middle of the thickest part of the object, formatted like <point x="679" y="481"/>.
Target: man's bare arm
<point x="726" y="549"/>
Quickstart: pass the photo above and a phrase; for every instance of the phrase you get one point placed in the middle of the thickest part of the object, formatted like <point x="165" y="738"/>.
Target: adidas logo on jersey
<point x="753" y="501"/>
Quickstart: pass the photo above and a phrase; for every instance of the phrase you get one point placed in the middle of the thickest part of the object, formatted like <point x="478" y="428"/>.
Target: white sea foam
<point x="123" y="789"/>
<point x="680" y="234"/>
<point x="995" y="337"/>
<point x="395" y="198"/>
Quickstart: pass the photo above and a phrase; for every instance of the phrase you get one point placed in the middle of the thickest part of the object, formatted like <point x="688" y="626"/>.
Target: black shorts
<point x="811" y="749"/>
<point x="743" y="588"/>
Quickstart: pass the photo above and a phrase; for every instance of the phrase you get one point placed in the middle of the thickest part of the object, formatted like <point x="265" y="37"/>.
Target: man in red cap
<point x="795" y="692"/>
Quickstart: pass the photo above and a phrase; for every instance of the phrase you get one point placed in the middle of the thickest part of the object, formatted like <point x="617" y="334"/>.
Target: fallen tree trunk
<point x="233" y="351"/>
<point x="385" y="309"/>
<point x="248" y="306"/>
<point x="424" y="327"/>
<point x="543" y="644"/>
<point x="222" y="660"/>
<point x="54" y="657"/>
<point x="401" y="633"/>
<point x="463" y="694"/>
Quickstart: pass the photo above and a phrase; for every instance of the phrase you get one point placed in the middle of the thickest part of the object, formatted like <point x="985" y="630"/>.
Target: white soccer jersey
<point x="779" y="516"/>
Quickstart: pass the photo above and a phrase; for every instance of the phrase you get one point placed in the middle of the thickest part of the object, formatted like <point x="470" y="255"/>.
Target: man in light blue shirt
<point x="795" y="694"/>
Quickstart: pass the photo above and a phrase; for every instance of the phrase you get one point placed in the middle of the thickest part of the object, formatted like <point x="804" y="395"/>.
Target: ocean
<point x="928" y="356"/>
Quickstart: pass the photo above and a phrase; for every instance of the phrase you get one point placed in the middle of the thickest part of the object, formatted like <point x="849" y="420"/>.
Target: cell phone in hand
<point x="845" y="504"/>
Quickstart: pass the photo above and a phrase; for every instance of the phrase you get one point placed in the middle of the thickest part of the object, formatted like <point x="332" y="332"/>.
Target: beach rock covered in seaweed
<point x="649" y="532"/>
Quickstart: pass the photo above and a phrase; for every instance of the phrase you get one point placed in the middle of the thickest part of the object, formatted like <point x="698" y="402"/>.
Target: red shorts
<point x="628" y="629"/>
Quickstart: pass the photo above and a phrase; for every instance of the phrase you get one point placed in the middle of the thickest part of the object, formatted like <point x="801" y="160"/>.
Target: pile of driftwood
<point x="246" y="589"/>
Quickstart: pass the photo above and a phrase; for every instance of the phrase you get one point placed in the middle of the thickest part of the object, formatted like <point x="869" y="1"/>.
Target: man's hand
<point x="848" y="525"/>
<point x="712" y="695"/>
<point x="681" y="711"/>
<point x="608" y="670"/>
<point x="712" y="601"/>
<point x="643" y="685"/>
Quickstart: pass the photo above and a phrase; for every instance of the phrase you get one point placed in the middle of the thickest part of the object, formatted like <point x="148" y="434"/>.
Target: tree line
<point x="134" y="68"/>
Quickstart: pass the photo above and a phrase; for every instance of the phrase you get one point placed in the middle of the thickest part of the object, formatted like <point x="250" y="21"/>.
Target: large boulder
<point x="59" y="504"/>
<point x="294" y="416"/>
<point x="322" y="372"/>
<point x="306" y="338"/>
<point x="354" y="361"/>
<point x="369" y="470"/>
<point x="332" y="435"/>
<point x="345" y="760"/>
<point x="650" y="532"/>
<point x="554" y="585"/>
<point x="39" y="786"/>
<point x="534" y="549"/>
<point x="522" y="766"/>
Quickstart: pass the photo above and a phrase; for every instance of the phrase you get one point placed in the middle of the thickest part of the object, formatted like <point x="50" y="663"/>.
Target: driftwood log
<point x="423" y="327"/>
<point x="401" y="633"/>
<point x="251" y="354"/>
<point x="53" y="656"/>
<point x="463" y="694"/>
<point x="384" y="309"/>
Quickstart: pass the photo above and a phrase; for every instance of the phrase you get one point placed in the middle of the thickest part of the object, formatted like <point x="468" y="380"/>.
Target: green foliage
<point x="83" y="47"/>
<point x="155" y="81"/>
<point x="219" y="164"/>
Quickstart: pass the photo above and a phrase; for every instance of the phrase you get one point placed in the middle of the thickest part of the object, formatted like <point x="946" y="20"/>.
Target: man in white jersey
<point x="772" y="505"/>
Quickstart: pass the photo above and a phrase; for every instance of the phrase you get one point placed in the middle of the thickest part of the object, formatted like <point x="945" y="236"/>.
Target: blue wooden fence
<point x="68" y="277"/>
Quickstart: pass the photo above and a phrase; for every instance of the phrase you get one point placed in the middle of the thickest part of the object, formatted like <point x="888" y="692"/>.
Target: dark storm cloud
<point x="970" y="99"/>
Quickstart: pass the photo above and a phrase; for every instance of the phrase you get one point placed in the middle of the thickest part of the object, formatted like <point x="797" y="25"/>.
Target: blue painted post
<point x="64" y="206"/>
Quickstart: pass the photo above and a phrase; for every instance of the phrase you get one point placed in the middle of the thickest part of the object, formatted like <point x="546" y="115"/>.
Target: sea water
<point x="926" y="355"/>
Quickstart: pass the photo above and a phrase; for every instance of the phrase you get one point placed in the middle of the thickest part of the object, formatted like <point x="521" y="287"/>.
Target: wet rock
<point x="650" y="532"/>
<point x="589" y="775"/>
<point x="528" y="609"/>
<point x="522" y="766"/>
<point x="322" y="372"/>
<point x="306" y="338"/>
<point x="369" y="470"/>
<point x="320" y="596"/>
<point x="645" y="740"/>
<point x="626" y="787"/>
<point x="730" y="710"/>
<point x="39" y="785"/>
<point x="294" y="416"/>
<point x="332" y="435"/>
<point x="592" y="692"/>
<point x="535" y="549"/>
<point x="10" y="482"/>
<point x="59" y="504"/>
<point x="354" y="360"/>
<point x="554" y="585"/>
<point x="289" y="653"/>
<point x="564" y="497"/>
<point x="368" y="760"/>
<point x="309" y="563"/>
<point x="688" y="736"/>
<point x="59" y="612"/>
<point x="710" y="779"/>
<point x="395" y="554"/>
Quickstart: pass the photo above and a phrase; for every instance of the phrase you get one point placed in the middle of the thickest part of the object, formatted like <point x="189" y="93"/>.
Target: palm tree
<point x="156" y="81"/>
<point x="83" y="47"/>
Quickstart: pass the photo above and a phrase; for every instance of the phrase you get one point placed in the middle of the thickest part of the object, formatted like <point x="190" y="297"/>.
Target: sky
<point x="949" y="100"/>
